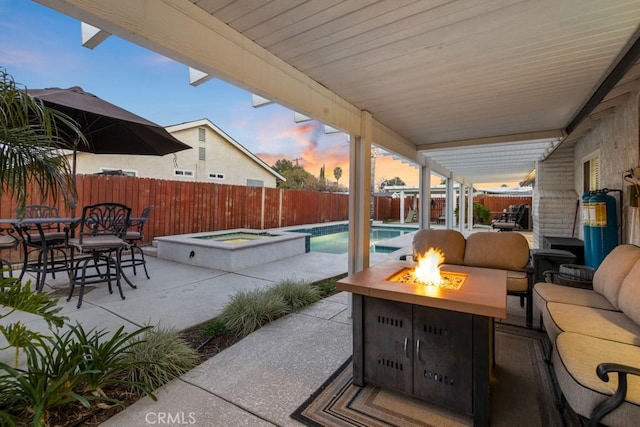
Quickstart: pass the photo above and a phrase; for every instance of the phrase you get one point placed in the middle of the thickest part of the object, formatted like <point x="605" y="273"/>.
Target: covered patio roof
<point x="477" y="91"/>
<point x="441" y="79"/>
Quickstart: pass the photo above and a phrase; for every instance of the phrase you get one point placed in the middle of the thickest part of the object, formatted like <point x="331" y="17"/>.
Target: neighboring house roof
<point x="208" y="123"/>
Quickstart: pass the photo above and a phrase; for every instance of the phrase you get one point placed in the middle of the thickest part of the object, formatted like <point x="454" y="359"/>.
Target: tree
<point x="322" y="174"/>
<point x="283" y="165"/>
<point x="392" y="181"/>
<point x="296" y="176"/>
<point x="29" y="133"/>
<point x="337" y="173"/>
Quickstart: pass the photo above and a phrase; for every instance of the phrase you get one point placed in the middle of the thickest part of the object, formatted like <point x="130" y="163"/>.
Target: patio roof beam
<point x="92" y="36"/>
<point x="215" y="48"/>
<point x="491" y="153"/>
<point x="627" y="58"/>
<point x="529" y="136"/>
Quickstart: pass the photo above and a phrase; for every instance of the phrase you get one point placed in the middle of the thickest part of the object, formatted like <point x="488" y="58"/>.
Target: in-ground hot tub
<point x="231" y="250"/>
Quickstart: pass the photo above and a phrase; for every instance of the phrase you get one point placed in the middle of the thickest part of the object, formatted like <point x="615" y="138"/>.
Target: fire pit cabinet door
<point x="442" y="365"/>
<point x="388" y="355"/>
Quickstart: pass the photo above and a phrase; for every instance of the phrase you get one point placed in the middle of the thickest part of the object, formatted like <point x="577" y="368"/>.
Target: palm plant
<point x="19" y="296"/>
<point x="29" y="133"/>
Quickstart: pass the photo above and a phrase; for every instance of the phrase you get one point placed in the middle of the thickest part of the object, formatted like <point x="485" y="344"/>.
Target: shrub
<point x="103" y="359"/>
<point x="481" y="214"/>
<point x="60" y="370"/>
<point x="50" y="380"/>
<point x="296" y="294"/>
<point x="215" y="328"/>
<point x="156" y="357"/>
<point x="247" y="311"/>
<point x="327" y="287"/>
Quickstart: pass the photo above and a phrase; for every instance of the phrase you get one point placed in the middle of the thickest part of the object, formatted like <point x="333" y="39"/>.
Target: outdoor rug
<point x="523" y="393"/>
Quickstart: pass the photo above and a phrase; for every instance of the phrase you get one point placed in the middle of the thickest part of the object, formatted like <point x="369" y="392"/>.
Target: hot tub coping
<point x="192" y="238"/>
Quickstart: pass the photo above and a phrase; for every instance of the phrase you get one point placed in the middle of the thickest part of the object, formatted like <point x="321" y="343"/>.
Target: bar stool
<point x="100" y="238"/>
<point x="7" y="241"/>
<point x="47" y="239"/>
<point x="134" y="236"/>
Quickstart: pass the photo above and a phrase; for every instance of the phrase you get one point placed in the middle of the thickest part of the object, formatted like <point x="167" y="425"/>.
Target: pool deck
<point x="260" y="380"/>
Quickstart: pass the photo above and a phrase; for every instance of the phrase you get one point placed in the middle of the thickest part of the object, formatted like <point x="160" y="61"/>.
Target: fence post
<point x="280" y="208"/>
<point x="262" y="210"/>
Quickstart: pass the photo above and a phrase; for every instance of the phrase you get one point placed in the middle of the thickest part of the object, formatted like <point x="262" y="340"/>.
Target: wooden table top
<point x="484" y="291"/>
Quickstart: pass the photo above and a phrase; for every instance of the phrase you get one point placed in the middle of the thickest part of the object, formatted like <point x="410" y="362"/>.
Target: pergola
<point x="474" y="90"/>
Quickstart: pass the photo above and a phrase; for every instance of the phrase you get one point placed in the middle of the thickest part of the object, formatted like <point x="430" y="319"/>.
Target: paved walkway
<point x="258" y="381"/>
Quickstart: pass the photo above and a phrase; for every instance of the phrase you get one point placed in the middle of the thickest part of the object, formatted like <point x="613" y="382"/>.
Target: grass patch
<point x="327" y="287"/>
<point x="215" y="328"/>
<point x="296" y="294"/>
<point x="249" y="310"/>
<point x="170" y="355"/>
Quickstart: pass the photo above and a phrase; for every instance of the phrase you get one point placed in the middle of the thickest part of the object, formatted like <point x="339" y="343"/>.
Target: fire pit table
<point x="433" y="343"/>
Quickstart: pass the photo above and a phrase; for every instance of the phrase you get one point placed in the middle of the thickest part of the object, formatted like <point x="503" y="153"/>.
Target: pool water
<point x="234" y="237"/>
<point x="338" y="243"/>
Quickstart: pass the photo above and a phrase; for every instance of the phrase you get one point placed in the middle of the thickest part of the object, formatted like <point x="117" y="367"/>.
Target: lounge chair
<point x="510" y="220"/>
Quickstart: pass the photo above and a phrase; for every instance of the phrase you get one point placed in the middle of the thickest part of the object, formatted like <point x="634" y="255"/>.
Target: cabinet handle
<point x="418" y="349"/>
<point x="406" y="346"/>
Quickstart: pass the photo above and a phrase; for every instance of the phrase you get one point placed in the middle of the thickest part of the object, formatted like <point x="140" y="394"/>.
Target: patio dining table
<point x="39" y="241"/>
<point x="43" y="241"/>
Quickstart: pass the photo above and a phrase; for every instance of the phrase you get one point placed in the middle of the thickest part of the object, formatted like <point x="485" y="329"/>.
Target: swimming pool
<point x="335" y="239"/>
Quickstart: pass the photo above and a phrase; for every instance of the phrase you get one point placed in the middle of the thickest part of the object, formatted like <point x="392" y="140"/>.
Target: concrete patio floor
<point x="258" y="381"/>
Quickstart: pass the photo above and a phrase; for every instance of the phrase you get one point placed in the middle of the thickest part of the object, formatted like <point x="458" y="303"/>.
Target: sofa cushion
<point x="517" y="281"/>
<point x="575" y="359"/>
<point x="503" y="250"/>
<point x="543" y="293"/>
<point x="550" y="292"/>
<point x="614" y="268"/>
<point x="629" y="295"/>
<point x="605" y="324"/>
<point x="450" y="242"/>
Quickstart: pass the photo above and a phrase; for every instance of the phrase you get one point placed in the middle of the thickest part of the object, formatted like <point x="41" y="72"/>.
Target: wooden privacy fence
<point x="190" y="207"/>
<point x="387" y="208"/>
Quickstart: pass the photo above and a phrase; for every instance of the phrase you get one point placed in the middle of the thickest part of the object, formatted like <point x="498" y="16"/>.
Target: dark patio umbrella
<point x="108" y="128"/>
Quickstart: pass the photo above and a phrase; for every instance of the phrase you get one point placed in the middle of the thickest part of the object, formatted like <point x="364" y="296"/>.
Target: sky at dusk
<point x="41" y="48"/>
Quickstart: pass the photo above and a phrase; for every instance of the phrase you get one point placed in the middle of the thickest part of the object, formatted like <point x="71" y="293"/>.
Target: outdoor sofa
<point x="504" y="251"/>
<point x="595" y="336"/>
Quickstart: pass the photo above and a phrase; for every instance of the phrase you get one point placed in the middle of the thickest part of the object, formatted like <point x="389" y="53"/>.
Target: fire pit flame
<point x="428" y="269"/>
<point x="427" y="273"/>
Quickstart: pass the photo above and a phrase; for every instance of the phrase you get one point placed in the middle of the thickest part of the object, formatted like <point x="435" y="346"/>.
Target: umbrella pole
<point x="74" y="202"/>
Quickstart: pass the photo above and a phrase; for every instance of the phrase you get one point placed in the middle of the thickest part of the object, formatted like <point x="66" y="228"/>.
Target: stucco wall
<point x="220" y="157"/>
<point x="559" y="179"/>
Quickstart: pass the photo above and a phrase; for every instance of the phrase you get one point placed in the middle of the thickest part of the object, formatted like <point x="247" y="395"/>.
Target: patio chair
<point x="510" y="220"/>
<point x="100" y="234"/>
<point x="48" y="240"/>
<point x="7" y="241"/>
<point x="134" y="237"/>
